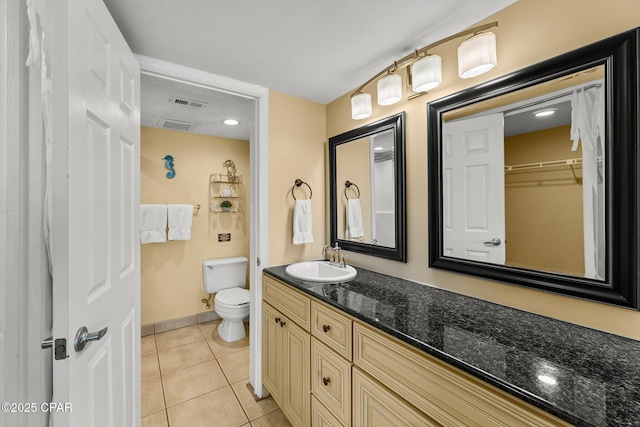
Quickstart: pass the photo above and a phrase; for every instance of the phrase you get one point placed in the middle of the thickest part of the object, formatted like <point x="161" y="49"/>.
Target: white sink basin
<point x="320" y="271"/>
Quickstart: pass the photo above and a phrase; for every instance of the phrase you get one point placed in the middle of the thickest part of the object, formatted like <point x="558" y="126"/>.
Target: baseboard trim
<point x="169" y="325"/>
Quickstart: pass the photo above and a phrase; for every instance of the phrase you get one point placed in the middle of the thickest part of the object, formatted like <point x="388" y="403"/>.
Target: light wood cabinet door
<point x="272" y="352"/>
<point x="375" y="406"/>
<point x="321" y="417"/>
<point x="331" y="380"/>
<point x="293" y="304"/>
<point x="333" y="328"/>
<point x="296" y="392"/>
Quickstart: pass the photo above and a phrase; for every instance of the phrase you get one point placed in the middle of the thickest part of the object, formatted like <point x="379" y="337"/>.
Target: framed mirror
<point x="367" y="189"/>
<point x="534" y="176"/>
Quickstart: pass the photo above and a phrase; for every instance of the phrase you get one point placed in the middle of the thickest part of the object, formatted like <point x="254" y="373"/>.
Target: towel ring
<point x="348" y="184"/>
<point x="298" y="183"/>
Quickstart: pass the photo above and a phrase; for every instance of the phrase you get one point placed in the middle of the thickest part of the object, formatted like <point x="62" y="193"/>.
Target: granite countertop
<point x="596" y="374"/>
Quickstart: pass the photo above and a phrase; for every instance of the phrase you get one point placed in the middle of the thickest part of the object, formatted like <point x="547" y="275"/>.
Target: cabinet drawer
<point x="445" y="393"/>
<point x="291" y="303"/>
<point x="331" y="380"/>
<point x="321" y="417"/>
<point x="332" y="328"/>
<point x="375" y="406"/>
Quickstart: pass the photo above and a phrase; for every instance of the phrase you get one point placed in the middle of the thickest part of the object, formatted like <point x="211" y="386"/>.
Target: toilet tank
<point x="224" y="273"/>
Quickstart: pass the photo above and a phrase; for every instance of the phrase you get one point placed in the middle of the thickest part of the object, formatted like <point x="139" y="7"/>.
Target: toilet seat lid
<point x="234" y="296"/>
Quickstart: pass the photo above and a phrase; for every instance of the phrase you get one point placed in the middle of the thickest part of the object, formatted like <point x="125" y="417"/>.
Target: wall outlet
<point x="224" y="237"/>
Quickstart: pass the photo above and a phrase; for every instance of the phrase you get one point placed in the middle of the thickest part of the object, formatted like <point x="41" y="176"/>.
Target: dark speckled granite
<point x="597" y="374"/>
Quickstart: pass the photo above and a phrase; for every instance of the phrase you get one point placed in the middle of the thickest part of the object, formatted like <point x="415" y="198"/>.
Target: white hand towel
<point x="302" y="222"/>
<point x="180" y="219"/>
<point x="153" y="223"/>
<point x="354" y="219"/>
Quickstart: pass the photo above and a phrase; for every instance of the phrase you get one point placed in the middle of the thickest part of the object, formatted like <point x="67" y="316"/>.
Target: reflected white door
<point x="473" y="184"/>
<point x="95" y="248"/>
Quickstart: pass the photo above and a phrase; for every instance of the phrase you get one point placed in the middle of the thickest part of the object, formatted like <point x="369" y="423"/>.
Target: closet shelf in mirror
<point x="548" y="166"/>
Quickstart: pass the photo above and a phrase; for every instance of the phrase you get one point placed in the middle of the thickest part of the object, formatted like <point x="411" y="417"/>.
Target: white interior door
<point x="95" y="226"/>
<point x="473" y="196"/>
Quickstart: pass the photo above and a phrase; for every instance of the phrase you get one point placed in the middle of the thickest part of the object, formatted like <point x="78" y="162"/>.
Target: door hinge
<point x="258" y="261"/>
<point x="60" y="349"/>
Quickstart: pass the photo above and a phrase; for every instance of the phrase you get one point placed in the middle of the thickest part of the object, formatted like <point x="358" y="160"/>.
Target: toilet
<point x="226" y="278"/>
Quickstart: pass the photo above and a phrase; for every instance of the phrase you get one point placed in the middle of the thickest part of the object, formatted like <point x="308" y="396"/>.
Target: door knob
<point x="495" y="242"/>
<point x="83" y="337"/>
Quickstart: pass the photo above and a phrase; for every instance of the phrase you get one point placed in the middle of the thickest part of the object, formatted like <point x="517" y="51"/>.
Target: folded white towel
<point x="180" y="219"/>
<point x="354" y="219"/>
<point x="302" y="222"/>
<point x="153" y="223"/>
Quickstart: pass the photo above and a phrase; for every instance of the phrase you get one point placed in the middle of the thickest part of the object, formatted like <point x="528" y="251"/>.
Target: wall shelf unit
<point x="221" y="190"/>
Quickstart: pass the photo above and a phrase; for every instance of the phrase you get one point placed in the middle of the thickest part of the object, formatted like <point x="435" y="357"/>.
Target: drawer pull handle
<point x="326" y="328"/>
<point x="282" y="324"/>
<point x="326" y="381"/>
<point x="277" y="320"/>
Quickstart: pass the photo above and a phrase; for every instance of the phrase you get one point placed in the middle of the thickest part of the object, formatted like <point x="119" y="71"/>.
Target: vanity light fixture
<point x="361" y="106"/>
<point x="389" y="89"/>
<point x="427" y="73"/>
<point x="476" y="55"/>
<point x="230" y="122"/>
<point x="544" y="113"/>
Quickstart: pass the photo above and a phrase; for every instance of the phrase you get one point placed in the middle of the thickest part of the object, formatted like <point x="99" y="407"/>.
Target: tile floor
<point x="191" y="377"/>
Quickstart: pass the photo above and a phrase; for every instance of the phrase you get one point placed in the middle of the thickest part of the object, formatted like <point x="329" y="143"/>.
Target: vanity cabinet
<point x="286" y="349"/>
<point x="375" y="406"/>
<point x="331" y="348"/>
<point x="326" y="368"/>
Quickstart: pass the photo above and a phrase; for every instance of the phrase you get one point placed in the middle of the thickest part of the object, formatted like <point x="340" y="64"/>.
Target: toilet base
<point x="231" y="331"/>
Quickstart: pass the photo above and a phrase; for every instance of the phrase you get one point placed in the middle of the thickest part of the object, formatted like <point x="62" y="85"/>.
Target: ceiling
<point x="313" y="49"/>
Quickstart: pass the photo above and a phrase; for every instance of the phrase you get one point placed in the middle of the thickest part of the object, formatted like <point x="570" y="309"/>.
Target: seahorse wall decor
<point x="231" y="170"/>
<point x="169" y="165"/>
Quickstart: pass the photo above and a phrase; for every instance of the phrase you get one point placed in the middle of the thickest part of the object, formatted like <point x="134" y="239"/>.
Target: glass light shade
<point x="426" y="73"/>
<point x="361" y="106"/>
<point x="477" y="55"/>
<point x="389" y="89"/>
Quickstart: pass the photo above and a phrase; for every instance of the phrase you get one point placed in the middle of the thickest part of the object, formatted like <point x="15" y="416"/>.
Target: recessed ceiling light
<point x="378" y="149"/>
<point x="230" y="122"/>
<point x="546" y="112"/>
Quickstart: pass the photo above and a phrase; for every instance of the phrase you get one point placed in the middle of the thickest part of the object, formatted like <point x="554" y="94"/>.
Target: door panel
<point x="473" y="188"/>
<point x="96" y="271"/>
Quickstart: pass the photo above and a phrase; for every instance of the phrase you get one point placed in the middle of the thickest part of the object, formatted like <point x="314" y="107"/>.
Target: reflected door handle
<point x="83" y="337"/>
<point x="48" y="343"/>
<point x="494" y="242"/>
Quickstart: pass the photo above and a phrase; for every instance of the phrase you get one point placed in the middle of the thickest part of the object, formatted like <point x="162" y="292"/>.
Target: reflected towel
<point x="354" y="219"/>
<point x="180" y="219"/>
<point x="153" y="223"/>
<point x="302" y="222"/>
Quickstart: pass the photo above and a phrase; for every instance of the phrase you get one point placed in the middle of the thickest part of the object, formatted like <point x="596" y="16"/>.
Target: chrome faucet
<point x="335" y="255"/>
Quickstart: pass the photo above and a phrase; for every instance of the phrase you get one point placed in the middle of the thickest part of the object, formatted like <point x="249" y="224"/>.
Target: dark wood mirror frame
<point x="620" y="56"/>
<point x="395" y="123"/>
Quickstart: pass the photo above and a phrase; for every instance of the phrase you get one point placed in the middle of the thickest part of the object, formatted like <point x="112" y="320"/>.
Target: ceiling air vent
<point x="176" y="125"/>
<point x="189" y="103"/>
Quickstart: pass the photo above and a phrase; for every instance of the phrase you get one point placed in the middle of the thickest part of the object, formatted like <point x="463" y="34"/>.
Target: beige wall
<point x="529" y="31"/>
<point x="544" y="210"/>
<point x="171" y="271"/>
<point x="297" y="148"/>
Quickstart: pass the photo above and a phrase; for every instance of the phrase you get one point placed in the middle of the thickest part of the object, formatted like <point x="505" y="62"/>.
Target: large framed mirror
<point x="534" y="176"/>
<point x="367" y="189"/>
